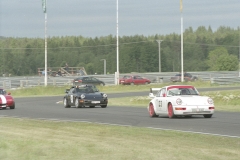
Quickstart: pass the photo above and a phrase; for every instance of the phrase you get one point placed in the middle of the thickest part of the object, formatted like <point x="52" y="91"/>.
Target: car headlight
<point x="104" y="95"/>
<point x="210" y="101"/>
<point x="179" y="101"/>
<point x="83" y="96"/>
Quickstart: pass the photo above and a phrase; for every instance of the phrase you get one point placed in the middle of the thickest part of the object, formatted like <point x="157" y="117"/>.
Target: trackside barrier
<point x="222" y="78"/>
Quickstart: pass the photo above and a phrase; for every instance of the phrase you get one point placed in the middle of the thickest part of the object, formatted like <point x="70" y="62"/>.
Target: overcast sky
<point x="95" y="18"/>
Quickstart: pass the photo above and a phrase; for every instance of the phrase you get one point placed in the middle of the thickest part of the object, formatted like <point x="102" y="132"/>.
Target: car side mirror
<point x="67" y="90"/>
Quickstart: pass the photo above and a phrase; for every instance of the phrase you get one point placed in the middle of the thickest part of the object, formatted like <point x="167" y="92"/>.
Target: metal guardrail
<point x="222" y="78"/>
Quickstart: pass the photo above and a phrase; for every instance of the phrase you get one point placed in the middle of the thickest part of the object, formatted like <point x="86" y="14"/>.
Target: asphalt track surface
<point x="222" y="123"/>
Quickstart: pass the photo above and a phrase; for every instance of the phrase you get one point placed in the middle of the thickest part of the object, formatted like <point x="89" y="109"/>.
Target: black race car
<point x="84" y="95"/>
<point x="88" y="80"/>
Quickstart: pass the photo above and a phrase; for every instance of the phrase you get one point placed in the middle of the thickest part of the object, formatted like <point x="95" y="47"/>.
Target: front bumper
<point x="193" y="110"/>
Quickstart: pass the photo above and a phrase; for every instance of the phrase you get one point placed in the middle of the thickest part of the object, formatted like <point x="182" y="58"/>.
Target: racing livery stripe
<point x="3" y="99"/>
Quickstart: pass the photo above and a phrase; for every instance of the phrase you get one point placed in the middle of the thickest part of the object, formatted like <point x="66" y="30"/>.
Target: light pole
<point x="239" y="52"/>
<point x="104" y="60"/>
<point x="44" y="5"/>
<point x="117" y="72"/>
<point x="159" y="49"/>
<point x="182" y="79"/>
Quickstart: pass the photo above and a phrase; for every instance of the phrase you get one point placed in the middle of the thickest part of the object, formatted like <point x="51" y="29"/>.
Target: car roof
<point x="179" y="86"/>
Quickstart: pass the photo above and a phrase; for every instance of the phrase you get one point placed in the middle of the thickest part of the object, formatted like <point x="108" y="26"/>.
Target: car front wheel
<point x="170" y="111"/>
<point x="104" y="106"/>
<point x="65" y="103"/>
<point x="77" y="103"/>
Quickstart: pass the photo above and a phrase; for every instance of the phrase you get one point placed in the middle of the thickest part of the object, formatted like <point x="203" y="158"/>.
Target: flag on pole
<point x="44" y="5"/>
<point x="181" y="5"/>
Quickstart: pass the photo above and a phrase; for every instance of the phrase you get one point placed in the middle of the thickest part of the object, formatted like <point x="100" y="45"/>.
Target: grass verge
<point x="23" y="139"/>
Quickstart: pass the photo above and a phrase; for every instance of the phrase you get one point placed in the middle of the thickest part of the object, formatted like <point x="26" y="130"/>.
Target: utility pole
<point x="104" y="61"/>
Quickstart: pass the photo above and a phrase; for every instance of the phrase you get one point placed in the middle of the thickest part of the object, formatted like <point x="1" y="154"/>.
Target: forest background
<point x="203" y="50"/>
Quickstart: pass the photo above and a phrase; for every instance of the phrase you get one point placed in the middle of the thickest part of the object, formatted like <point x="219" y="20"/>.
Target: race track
<point x="222" y="123"/>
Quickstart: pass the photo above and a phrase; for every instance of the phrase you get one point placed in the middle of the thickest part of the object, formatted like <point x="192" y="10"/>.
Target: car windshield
<point x="86" y="89"/>
<point x="182" y="91"/>
<point x="1" y="91"/>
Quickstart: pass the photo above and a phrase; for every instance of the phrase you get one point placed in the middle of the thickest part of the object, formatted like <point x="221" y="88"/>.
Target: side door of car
<point x="70" y="96"/>
<point x="164" y="100"/>
<point x="159" y="101"/>
<point x="94" y="81"/>
<point x="137" y="80"/>
<point x="140" y="80"/>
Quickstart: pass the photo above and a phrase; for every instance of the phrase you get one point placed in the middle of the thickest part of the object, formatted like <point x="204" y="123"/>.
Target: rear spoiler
<point x="151" y="95"/>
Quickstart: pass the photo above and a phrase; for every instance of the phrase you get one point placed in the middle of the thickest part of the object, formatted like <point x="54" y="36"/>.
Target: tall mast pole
<point x="44" y="4"/>
<point x="117" y="73"/>
<point x="182" y="77"/>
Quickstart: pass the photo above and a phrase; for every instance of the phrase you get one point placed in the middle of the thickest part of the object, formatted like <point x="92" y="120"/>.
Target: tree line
<point x="203" y="50"/>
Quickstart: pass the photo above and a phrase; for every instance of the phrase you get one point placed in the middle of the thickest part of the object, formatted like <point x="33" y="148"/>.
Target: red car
<point x="134" y="80"/>
<point x="6" y="100"/>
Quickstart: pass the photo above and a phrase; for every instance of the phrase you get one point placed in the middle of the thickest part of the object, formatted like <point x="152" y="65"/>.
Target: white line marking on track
<point x="111" y="124"/>
<point x="221" y="135"/>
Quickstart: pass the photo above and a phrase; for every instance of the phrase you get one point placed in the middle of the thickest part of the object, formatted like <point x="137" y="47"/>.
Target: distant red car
<point x="6" y="100"/>
<point x="134" y="80"/>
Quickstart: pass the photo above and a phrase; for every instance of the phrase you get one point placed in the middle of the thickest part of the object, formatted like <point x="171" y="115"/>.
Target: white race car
<point x="179" y="100"/>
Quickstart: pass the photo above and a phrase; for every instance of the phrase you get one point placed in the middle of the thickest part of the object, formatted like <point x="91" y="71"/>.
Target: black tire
<point x="13" y="106"/>
<point x="207" y="115"/>
<point x="65" y="103"/>
<point x="92" y="106"/>
<point x="77" y="105"/>
<point x="104" y="106"/>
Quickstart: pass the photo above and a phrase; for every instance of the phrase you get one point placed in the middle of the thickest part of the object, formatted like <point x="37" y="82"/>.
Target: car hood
<point x="193" y="100"/>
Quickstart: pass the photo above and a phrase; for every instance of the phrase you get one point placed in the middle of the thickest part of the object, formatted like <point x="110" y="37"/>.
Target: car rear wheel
<point x="104" y="106"/>
<point x="207" y="115"/>
<point x="65" y="103"/>
<point x="13" y="106"/>
<point x="170" y="111"/>
<point x="151" y="111"/>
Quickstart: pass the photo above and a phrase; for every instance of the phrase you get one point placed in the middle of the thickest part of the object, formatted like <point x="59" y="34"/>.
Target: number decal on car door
<point x="160" y="103"/>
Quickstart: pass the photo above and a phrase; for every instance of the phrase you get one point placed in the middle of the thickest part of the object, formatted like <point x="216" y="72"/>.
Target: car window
<point x="80" y="90"/>
<point x="71" y="91"/>
<point x="1" y="91"/>
<point x="126" y="77"/>
<point x="163" y="92"/>
<point x="182" y="91"/>
<point x="94" y="79"/>
<point x="158" y="93"/>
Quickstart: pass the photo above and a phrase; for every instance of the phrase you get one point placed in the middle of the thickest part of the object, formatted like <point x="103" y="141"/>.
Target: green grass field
<point x="29" y="139"/>
<point x="26" y="139"/>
